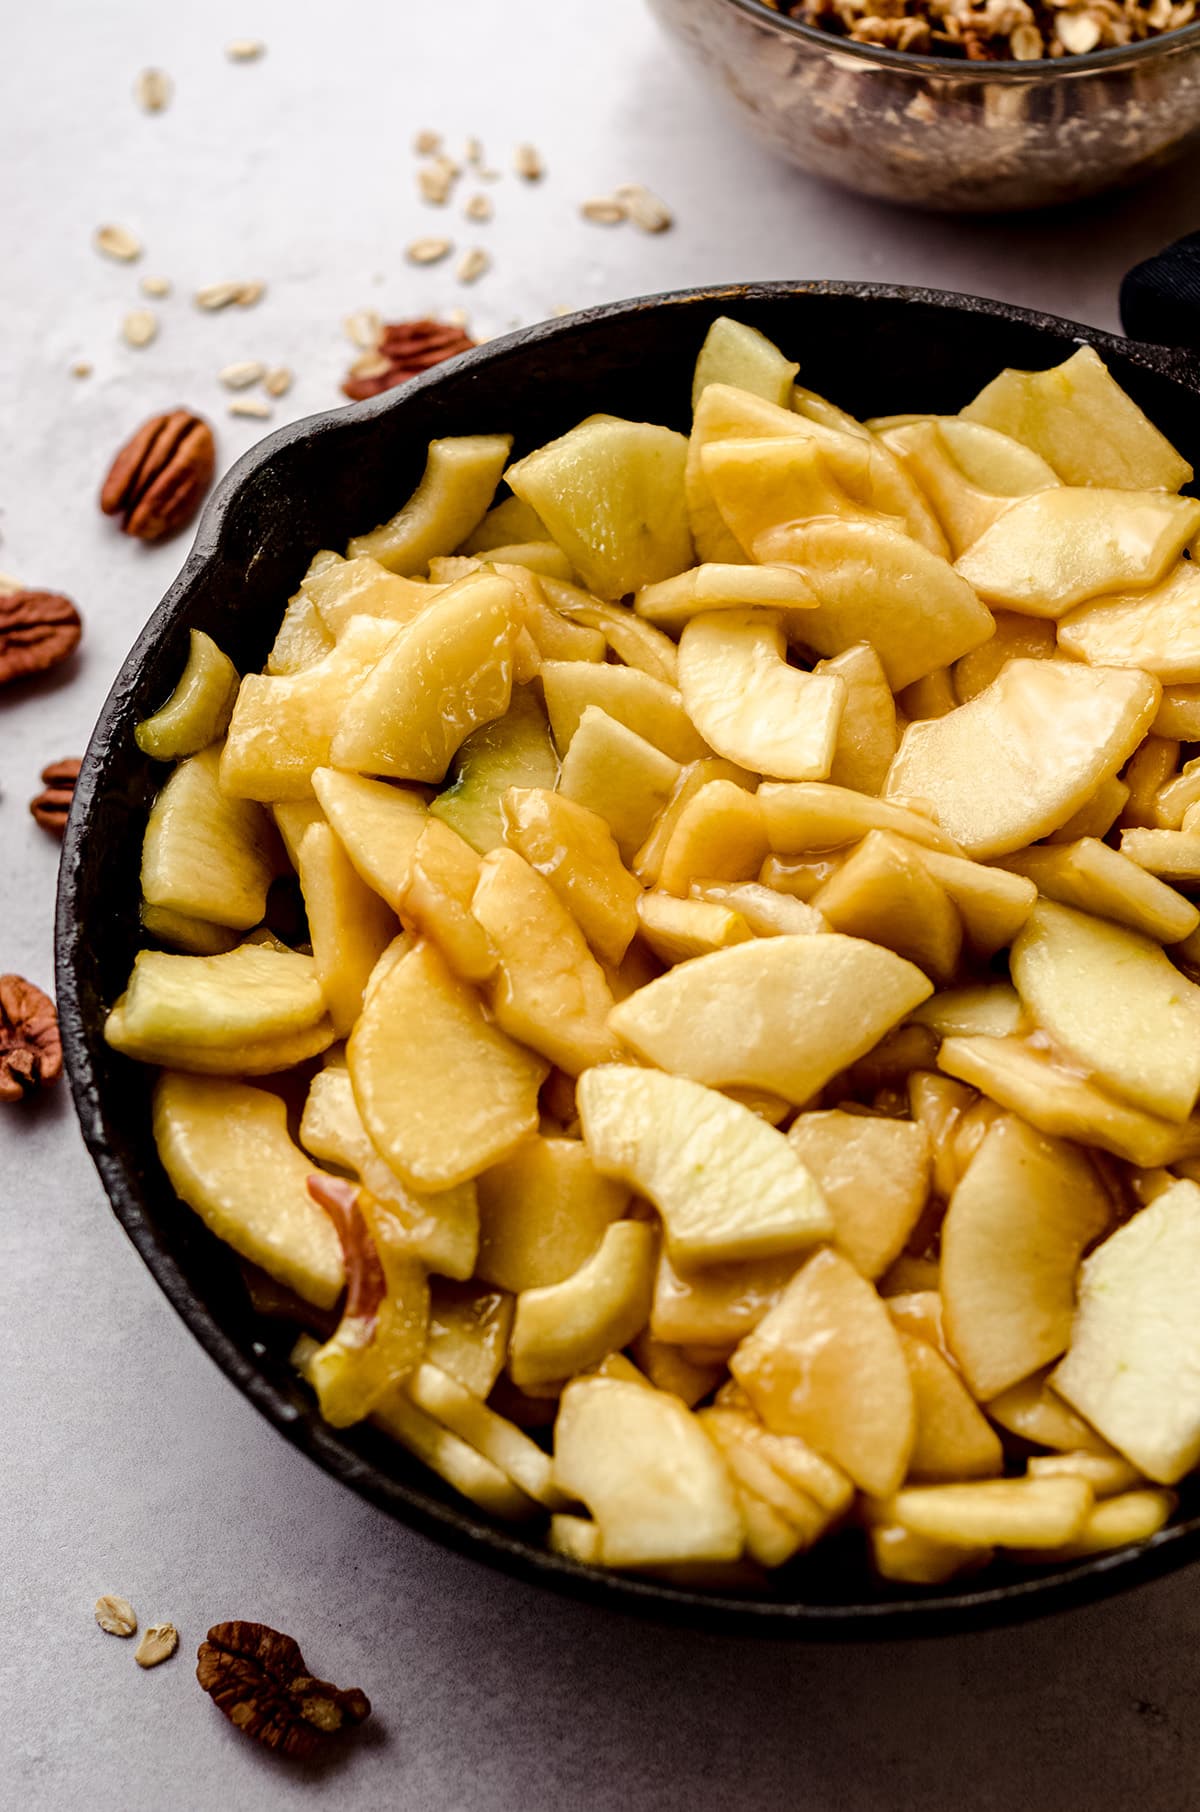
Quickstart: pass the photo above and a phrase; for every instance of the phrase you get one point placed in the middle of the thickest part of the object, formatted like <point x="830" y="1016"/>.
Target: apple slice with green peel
<point x="867" y="736"/>
<point x="642" y="1463"/>
<point x="672" y="603"/>
<point x="1027" y="753"/>
<point x="513" y="750"/>
<point x="247" y="996"/>
<point x="954" y="1439"/>
<point x="349" y="926"/>
<point x="884" y="893"/>
<point x="283" y="726"/>
<point x="1078" y="418"/>
<point x="620" y="776"/>
<point x="1091" y="875"/>
<point x="562" y="1329"/>
<point x="198" y="710"/>
<point x="442" y="1229"/>
<point x="782" y="1013"/>
<point x="1157" y="630"/>
<point x="1113" y="1000"/>
<point x="826" y="1364"/>
<point x="574" y="850"/>
<point x="1001" y="1513"/>
<point x="1134" y="1358"/>
<point x="736" y="354"/>
<point x="1047" y="553"/>
<point x="448" y="672"/>
<point x="549" y="992"/>
<point x="727" y="1185"/>
<point x="228" y="1154"/>
<point x="204" y="854"/>
<point x="873" y="584"/>
<point x="611" y="495"/>
<point x="1018" y="1223"/>
<point x="1057" y="1100"/>
<point x="633" y="698"/>
<point x="749" y="705"/>
<point x="874" y="1175"/>
<point x="378" y="825"/>
<point x="459" y="482"/>
<point x="442" y="1107"/>
<point x="543" y="1213"/>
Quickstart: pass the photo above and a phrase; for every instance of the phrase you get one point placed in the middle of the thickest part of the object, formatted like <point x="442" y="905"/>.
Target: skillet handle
<point x="1160" y="299"/>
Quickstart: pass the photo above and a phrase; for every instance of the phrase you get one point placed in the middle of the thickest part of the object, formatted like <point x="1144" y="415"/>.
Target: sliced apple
<point x="206" y="855"/>
<point x="874" y="1175"/>
<point x="378" y="825"/>
<point x="1002" y="1513"/>
<point x="1153" y="629"/>
<point x="760" y="485"/>
<point x="444" y="1104"/>
<point x="227" y="1152"/>
<point x="991" y="1008"/>
<point x="953" y="1439"/>
<point x="1097" y="816"/>
<point x="469" y="1330"/>
<point x="198" y="937"/>
<point x="349" y="926"/>
<point x="1171" y="855"/>
<point x="1091" y="875"/>
<point x="549" y="992"/>
<point x="873" y="584"/>
<point x="783" y="1013"/>
<point x="648" y="861"/>
<point x="677" y="930"/>
<point x="867" y="736"/>
<point x="513" y="750"/>
<point x="458" y="484"/>
<point x="1016" y="638"/>
<point x="1059" y="1101"/>
<point x="574" y="850"/>
<point x="727" y="1185"/>
<point x="809" y="817"/>
<point x="1132" y="1516"/>
<point x="766" y="912"/>
<point x="1133" y="1361"/>
<point x="1017" y="1225"/>
<point x="447" y="673"/>
<point x="963" y="507"/>
<point x="734" y="353"/>
<point x="1106" y="1473"/>
<point x="907" y="1559"/>
<point x="611" y="494"/>
<point x="364" y="587"/>
<point x="826" y="1364"/>
<point x="749" y="705"/>
<point x="657" y="1486"/>
<point x="198" y="710"/>
<point x="543" y="1213"/>
<point x="672" y="603"/>
<point x="884" y="893"/>
<point x="1179" y="714"/>
<point x="506" y="522"/>
<point x="1078" y="418"/>
<point x="219" y="1003"/>
<point x="563" y="1328"/>
<point x="992" y="903"/>
<point x="282" y="727"/>
<point x="438" y="898"/>
<point x="1138" y="1035"/>
<point x="302" y="638"/>
<point x="631" y="697"/>
<point x="1047" y="553"/>
<point x="668" y="1369"/>
<point x="1024" y="756"/>
<point x="620" y="776"/>
<point x="442" y="1230"/>
<point x="713" y="1307"/>
<point x="632" y="641"/>
<point x="717" y="831"/>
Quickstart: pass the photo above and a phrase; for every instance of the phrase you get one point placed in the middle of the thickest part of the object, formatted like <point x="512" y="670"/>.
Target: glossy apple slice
<point x="750" y="705"/>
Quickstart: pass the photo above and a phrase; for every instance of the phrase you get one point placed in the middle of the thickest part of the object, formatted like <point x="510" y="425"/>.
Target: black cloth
<point x="1160" y="299"/>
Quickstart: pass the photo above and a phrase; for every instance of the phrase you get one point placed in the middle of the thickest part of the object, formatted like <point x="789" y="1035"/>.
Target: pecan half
<point x="404" y="349"/>
<point x="30" y="1047"/>
<point x="51" y="807"/>
<point x="158" y="478"/>
<point x="257" y="1677"/>
<point x="38" y="629"/>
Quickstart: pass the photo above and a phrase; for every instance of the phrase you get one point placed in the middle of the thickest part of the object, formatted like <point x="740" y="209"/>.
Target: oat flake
<point x="139" y="327"/>
<point x="243" y="373"/>
<point x="156" y="287"/>
<point x="644" y="207"/>
<point x="253" y="406"/>
<point x="115" y="1615"/>
<point x="364" y="328"/>
<point x="428" y="251"/>
<point x="473" y="264"/>
<point x="158" y="1644"/>
<point x="278" y="382"/>
<point x="245" y="50"/>
<point x="479" y="207"/>
<point x="427" y="143"/>
<point x="605" y="210"/>
<point x="153" y="90"/>
<point x="117" y="242"/>
<point x="527" y="163"/>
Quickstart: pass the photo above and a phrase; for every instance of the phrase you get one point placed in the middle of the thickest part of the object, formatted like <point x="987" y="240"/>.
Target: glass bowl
<point x="944" y="133"/>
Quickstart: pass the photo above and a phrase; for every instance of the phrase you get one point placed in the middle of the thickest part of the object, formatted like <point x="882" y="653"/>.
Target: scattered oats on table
<point x="364" y="328"/>
<point x="473" y="264"/>
<point x="245" y="50"/>
<point x="139" y="327"/>
<point x="256" y="407"/>
<point x="81" y="369"/>
<point x="115" y="1615"/>
<point x="605" y="210"/>
<point x="644" y="208"/>
<point x="117" y="242"/>
<point x="156" y="287"/>
<point x="427" y="143"/>
<point x="153" y="90"/>
<point x="527" y="162"/>
<point x="241" y="374"/>
<point x="428" y="251"/>
<point x="479" y="207"/>
<point x="157" y="1644"/>
<point x="278" y="381"/>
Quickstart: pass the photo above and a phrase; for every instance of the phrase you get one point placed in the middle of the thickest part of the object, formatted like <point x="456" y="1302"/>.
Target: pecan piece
<point x="52" y="807"/>
<point x="30" y="1047"/>
<point x="404" y="349"/>
<point x="257" y="1677"/>
<point x="38" y="629"/>
<point x="158" y="478"/>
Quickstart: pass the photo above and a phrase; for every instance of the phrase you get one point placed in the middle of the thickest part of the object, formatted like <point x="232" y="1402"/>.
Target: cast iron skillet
<point x="874" y="350"/>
